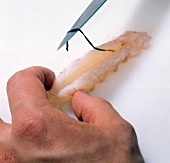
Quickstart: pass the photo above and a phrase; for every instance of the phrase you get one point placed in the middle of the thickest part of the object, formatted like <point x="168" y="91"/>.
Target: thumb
<point x="93" y="110"/>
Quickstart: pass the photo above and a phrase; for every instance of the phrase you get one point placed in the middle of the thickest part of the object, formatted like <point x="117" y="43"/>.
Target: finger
<point x="93" y="110"/>
<point x="26" y="89"/>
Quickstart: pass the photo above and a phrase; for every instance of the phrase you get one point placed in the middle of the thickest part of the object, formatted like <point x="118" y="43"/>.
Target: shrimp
<point x="84" y="73"/>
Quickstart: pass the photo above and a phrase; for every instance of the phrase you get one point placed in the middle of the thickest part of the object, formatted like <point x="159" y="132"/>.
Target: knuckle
<point x="123" y="129"/>
<point x="127" y="128"/>
<point x="130" y="129"/>
<point x="14" y="79"/>
<point x="126" y="125"/>
<point x="127" y="132"/>
<point x="30" y="128"/>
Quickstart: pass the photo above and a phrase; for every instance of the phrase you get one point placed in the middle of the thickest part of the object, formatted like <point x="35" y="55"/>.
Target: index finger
<point x="26" y="89"/>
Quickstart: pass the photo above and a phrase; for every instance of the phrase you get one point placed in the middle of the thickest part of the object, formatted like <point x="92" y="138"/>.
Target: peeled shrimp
<point x="84" y="73"/>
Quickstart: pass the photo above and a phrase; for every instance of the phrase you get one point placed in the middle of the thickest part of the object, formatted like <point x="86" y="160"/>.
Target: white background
<point x="31" y="31"/>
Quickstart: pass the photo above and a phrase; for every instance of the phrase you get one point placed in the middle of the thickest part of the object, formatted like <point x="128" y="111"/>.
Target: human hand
<point x="40" y="133"/>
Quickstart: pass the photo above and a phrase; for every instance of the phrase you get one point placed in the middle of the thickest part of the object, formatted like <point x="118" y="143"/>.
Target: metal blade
<point x="86" y="15"/>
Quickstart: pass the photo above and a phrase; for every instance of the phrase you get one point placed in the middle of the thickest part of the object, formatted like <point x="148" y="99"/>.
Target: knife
<point x="85" y="16"/>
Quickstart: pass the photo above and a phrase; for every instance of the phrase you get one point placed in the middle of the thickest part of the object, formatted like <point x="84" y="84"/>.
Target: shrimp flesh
<point x="84" y="73"/>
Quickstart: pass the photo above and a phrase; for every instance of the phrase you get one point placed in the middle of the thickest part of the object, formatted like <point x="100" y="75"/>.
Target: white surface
<point x="30" y="32"/>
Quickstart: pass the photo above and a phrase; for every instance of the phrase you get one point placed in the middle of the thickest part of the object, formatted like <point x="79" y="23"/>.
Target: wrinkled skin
<point x="40" y="133"/>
